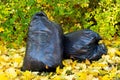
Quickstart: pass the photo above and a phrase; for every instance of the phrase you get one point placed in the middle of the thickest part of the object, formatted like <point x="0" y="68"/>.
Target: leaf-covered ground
<point x="106" y="68"/>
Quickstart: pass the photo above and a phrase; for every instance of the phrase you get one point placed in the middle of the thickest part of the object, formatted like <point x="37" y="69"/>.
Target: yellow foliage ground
<point x="106" y="68"/>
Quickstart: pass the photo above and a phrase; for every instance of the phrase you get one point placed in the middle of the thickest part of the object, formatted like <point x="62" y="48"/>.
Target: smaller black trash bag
<point x="44" y="49"/>
<point x="83" y="44"/>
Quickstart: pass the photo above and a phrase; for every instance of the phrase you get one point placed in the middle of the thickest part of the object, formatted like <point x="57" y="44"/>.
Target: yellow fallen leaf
<point x="67" y="62"/>
<point x="1" y="29"/>
<point x="113" y="72"/>
<point x="17" y="58"/>
<point x="3" y="77"/>
<point x="11" y="72"/>
<point x="65" y="69"/>
<point x="27" y="75"/>
<point x="116" y="42"/>
<point x="87" y="61"/>
<point x="74" y="63"/>
<point x="57" y="78"/>
<point x="106" y="77"/>
<point x="107" y="42"/>
<point x="5" y="58"/>
<point x="82" y="75"/>
<point x="3" y="49"/>
<point x="118" y="52"/>
<point x="70" y="77"/>
<point x="90" y="77"/>
<point x="93" y="72"/>
<point x="82" y="66"/>
<point x="58" y="70"/>
<point x="111" y="51"/>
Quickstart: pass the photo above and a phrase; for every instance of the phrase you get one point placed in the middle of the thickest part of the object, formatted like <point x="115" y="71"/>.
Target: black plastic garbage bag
<point x="44" y="49"/>
<point x="83" y="44"/>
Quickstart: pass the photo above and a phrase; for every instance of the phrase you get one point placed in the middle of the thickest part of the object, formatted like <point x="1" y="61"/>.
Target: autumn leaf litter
<point x="106" y="68"/>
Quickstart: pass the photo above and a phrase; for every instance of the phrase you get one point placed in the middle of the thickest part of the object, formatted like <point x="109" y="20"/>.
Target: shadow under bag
<point x="44" y="49"/>
<point x="83" y="44"/>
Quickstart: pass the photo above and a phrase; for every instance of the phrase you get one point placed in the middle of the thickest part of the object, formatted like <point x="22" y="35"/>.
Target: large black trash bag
<point x="44" y="49"/>
<point x="82" y="45"/>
